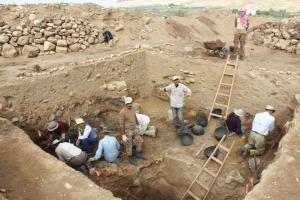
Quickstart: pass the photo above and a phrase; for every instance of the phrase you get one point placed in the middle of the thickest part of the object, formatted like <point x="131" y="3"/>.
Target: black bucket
<point x="209" y="150"/>
<point x="217" y="111"/>
<point x="198" y="130"/>
<point x="220" y="132"/>
<point x="185" y="136"/>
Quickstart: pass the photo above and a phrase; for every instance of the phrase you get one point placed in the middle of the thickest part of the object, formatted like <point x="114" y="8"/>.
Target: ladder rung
<point x="217" y="160"/>
<point x="193" y="195"/>
<point x="230" y="64"/>
<point x="210" y="172"/>
<point x="201" y="184"/>
<point x="228" y="74"/>
<point x="224" y="148"/>
<point x="226" y="84"/>
<point x="223" y="105"/>
<point x="222" y="94"/>
<point x="216" y="115"/>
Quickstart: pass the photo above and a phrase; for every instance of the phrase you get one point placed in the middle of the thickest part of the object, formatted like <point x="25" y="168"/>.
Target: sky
<point x="105" y="3"/>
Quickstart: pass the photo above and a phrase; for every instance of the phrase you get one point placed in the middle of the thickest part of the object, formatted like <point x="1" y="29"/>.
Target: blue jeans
<point x="88" y="143"/>
<point x="177" y="116"/>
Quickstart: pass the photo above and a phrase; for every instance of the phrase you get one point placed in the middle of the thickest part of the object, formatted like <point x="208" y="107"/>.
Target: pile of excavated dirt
<point x="283" y="35"/>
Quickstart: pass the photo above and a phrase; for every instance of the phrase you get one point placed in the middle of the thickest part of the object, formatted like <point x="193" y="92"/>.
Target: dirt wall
<point x="27" y="172"/>
<point x="39" y="97"/>
<point x="280" y="180"/>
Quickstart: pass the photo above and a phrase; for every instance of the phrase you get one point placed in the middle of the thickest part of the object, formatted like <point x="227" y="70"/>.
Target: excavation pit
<point x="94" y="91"/>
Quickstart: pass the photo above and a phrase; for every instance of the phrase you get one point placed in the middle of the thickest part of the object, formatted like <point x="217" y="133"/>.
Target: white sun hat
<point x="128" y="100"/>
<point x="239" y="112"/>
<point x="269" y="107"/>
<point x="79" y="121"/>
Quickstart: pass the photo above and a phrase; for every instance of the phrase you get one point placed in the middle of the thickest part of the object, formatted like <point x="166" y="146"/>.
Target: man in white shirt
<point x="70" y="154"/>
<point x="262" y="124"/>
<point x="87" y="136"/>
<point x="178" y="92"/>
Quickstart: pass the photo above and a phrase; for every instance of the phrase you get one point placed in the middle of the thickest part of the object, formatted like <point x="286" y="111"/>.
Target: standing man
<point x="130" y="131"/>
<point x="241" y="24"/>
<point x="108" y="146"/>
<point x="87" y="136"/>
<point x="177" y="93"/>
<point x="262" y="124"/>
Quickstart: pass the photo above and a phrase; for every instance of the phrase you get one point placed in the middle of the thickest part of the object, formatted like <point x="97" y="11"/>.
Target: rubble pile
<point x="47" y="36"/>
<point x="284" y="35"/>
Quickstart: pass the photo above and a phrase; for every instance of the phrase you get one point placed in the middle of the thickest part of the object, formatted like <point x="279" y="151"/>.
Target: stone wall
<point x="284" y="35"/>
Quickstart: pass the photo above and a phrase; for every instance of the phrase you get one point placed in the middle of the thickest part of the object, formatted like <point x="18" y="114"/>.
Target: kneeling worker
<point x="263" y="123"/>
<point x="234" y="122"/>
<point x="109" y="146"/>
<point x="70" y="154"/>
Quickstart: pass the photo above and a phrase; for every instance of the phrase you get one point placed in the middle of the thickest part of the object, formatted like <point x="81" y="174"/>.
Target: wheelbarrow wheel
<point x="222" y="53"/>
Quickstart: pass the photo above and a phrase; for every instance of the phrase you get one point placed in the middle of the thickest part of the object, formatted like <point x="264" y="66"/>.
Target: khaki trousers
<point x="240" y="39"/>
<point x="256" y="143"/>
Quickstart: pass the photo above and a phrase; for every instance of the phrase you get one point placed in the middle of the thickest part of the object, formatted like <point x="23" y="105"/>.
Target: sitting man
<point x="87" y="135"/>
<point x="109" y="146"/>
<point x="262" y="124"/>
<point x="55" y="130"/>
<point x="70" y="154"/>
<point x="234" y="122"/>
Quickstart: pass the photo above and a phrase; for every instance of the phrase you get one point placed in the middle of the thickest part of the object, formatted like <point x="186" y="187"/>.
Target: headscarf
<point x="243" y="17"/>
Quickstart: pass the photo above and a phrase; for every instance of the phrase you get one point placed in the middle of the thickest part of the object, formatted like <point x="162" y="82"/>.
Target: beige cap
<point x="175" y="78"/>
<point x="52" y="126"/>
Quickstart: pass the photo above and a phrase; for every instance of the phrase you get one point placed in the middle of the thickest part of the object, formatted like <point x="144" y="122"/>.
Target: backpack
<point x="107" y="36"/>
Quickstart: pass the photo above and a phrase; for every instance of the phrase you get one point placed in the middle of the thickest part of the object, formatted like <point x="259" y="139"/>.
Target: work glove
<point x="124" y="138"/>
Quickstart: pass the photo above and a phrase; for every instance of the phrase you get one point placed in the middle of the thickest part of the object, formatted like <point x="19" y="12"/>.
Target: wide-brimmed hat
<point x="52" y="126"/>
<point x="106" y="130"/>
<point x="269" y="107"/>
<point x="79" y="121"/>
<point x="239" y="112"/>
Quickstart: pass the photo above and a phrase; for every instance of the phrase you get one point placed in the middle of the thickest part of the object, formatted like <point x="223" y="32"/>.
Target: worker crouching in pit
<point x="234" y="122"/>
<point x="262" y="125"/>
<point x="108" y="146"/>
<point x="71" y="155"/>
<point x="55" y="130"/>
<point x="130" y="132"/>
<point x="87" y="136"/>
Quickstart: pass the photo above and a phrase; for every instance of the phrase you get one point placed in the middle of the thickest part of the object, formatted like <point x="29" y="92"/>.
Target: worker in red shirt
<point x="55" y="130"/>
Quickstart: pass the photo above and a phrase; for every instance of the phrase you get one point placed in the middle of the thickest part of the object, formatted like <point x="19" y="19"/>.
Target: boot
<point x="140" y="155"/>
<point x="132" y="160"/>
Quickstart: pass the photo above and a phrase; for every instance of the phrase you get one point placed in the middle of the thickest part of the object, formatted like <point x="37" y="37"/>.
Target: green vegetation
<point x="169" y="10"/>
<point x="272" y="13"/>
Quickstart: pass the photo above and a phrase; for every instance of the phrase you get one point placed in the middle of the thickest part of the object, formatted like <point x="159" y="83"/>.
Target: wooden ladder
<point x="224" y="91"/>
<point x="219" y="162"/>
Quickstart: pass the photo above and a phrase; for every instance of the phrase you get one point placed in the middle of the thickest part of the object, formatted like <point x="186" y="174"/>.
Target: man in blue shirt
<point x="109" y="146"/>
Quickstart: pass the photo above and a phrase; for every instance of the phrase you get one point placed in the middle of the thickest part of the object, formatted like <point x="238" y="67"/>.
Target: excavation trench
<point x="92" y="92"/>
